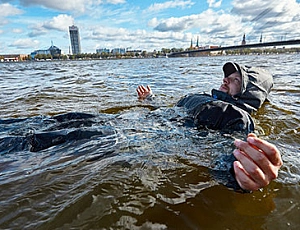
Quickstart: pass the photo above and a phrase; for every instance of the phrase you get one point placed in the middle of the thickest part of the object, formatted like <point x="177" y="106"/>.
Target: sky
<point x="28" y="25"/>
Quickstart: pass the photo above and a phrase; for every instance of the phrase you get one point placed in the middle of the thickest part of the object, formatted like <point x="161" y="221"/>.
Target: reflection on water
<point x="131" y="165"/>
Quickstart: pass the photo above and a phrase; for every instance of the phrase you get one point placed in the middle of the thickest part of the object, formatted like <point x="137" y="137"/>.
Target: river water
<point x="133" y="166"/>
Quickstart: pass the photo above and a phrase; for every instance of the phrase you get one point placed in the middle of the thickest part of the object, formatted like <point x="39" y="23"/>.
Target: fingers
<point x="255" y="161"/>
<point x="250" y="171"/>
<point x="270" y="150"/>
<point x="148" y="88"/>
<point x="140" y="89"/>
<point x="243" y="178"/>
<point x="258" y="162"/>
<point x="143" y="91"/>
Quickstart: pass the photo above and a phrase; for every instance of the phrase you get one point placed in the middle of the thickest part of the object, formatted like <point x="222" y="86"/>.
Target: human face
<point x="232" y="84"/>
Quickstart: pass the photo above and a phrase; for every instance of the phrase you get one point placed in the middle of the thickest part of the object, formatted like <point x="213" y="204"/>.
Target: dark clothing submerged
<point x="207" y="112"/>
<point x="221" y="111"/>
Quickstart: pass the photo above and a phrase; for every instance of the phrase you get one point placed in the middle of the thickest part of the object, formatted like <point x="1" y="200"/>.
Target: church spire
<point x="260" y="40"/>
<point x="244" y="40"/>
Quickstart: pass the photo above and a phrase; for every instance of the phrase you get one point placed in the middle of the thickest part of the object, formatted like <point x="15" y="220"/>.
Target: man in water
<point x="244" y="90"/>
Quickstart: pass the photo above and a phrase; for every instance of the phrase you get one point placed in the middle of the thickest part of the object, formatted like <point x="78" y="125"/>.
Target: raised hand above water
<point x="258" y="162"/>
<point x="144" y="92"/>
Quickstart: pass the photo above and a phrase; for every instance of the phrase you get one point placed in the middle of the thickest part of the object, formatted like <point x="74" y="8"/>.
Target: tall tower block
<point x="75" y="39"/>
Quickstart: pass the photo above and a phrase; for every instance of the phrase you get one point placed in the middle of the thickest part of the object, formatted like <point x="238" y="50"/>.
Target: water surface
<point x="137" y="168"/>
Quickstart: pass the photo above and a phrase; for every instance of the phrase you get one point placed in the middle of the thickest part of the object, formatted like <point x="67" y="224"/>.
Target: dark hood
<point x="256" y="86"/>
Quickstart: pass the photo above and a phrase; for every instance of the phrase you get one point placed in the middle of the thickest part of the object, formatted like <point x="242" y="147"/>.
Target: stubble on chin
<point x="223" y="89"/>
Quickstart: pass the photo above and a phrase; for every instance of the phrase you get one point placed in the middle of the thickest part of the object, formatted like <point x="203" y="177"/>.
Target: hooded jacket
<point x="256" y="86"/>
<point x="225" y="112"/>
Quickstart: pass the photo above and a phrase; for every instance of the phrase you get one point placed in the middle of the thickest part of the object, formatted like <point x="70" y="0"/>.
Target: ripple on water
<point x="151" y="172"/>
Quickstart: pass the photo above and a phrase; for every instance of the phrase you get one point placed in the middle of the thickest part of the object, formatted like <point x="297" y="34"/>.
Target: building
<point x="54" y="51"/>
<point x="118" y="51"/>
<point x="13" y="57"/>
<point x="75" y="39"/>
<point x="102" y="50"/>
<point x="36" y="52"/>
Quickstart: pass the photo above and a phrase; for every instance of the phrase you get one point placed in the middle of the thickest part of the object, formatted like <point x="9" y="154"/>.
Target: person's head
<point x="232" y="81"/>
<point x="232" y="84"/>
<point x="248" y="85"/>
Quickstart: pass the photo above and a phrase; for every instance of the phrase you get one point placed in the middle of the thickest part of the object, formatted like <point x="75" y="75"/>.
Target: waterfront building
<point x="134" y="51"/>
<point x="75" y="39"/>
<point x="54" y="51"/>
<point x="102" y="50"/>
<point x="118" y="51"/>
<point x="13" y="57"/>
<point x="36" y="52"/>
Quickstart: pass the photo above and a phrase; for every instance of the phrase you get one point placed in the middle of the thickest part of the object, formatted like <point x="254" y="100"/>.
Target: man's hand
<point x="143" y="91"/>
<point x="258" y="162"/>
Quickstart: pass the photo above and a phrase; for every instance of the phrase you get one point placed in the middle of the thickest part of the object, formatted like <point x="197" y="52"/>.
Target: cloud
<point x="7" y="10"/>
<point x="108" y="34"/>
<point x="269" y="17"/>
<point x="59" y="23"/>
<point x="120" y="37"/>
<point x="17" y="31"/>
<point x="103" y="23"/>
<point x="3" y="21"/>
<point x="175" y="24"/>
<point x="78" y="6"/>
<point x="214" y="3"/>
<point x="61" y="5"/>
<point x="170" y="4"/>
<point x="208" y="21"/>
<point x="261" y="11"/>
<point x="116" y="1"/>
<point x="25" y="44"/>
<point x="252" y="17"/>
<point x="37" y="32"/>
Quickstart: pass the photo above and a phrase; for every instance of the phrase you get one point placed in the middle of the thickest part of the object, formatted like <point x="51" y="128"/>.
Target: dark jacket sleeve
<point x="207" y="112"/>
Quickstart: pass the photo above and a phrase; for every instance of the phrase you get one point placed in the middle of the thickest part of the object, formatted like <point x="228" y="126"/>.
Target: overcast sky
<point x="27" y="25"/>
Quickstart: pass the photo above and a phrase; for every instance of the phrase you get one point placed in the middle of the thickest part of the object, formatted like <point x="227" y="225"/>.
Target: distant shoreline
<point x="241" y="52"/>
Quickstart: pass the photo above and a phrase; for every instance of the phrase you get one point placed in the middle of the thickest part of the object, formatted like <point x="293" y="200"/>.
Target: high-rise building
<point x="75" y="39"/>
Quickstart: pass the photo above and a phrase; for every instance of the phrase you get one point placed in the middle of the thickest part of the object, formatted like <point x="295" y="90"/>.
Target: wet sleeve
<point x="220" y="115"/>
<point x="207" y="112"/>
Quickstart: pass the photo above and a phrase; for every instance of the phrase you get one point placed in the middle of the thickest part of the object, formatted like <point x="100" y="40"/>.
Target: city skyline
<point x="27" y="25"/>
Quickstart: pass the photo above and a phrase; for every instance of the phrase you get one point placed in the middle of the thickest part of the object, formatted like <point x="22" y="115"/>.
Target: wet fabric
<point x="207" y="112"/>
<point x="72" y="129"/>
<point x="64" y="128"/>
